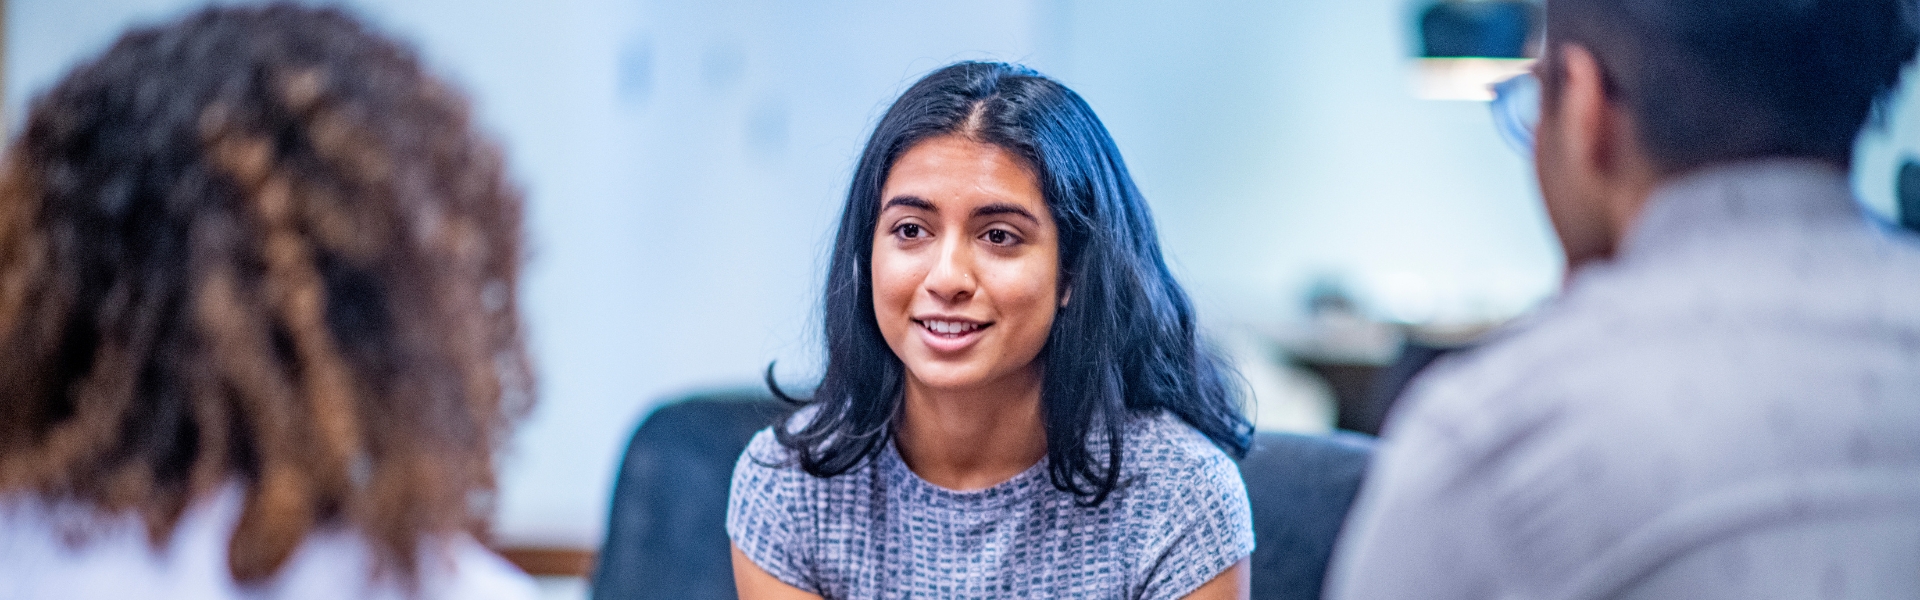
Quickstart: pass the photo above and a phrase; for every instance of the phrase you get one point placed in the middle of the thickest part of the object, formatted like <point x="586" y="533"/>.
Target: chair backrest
<point x="1300" y="487"/>
<point x="667" y="537"/>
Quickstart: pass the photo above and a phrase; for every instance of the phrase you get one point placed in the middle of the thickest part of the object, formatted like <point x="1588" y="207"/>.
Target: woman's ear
<point x="1065" y="296"/>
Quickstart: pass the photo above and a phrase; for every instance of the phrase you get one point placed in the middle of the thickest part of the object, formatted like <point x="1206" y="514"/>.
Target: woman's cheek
<point x="1028" y="289"/>
<point x="893" y="282"/>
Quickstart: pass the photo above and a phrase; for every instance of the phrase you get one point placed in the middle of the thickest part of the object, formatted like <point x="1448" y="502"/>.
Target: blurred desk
<point x="550" y="562"/>
<point x="1364" y="392"/>
<point x="1352" y="384"/>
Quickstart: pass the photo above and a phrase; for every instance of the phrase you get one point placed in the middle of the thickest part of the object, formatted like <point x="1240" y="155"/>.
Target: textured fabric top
<point x="880" y="531"/>
<point x="1729" y="408"/>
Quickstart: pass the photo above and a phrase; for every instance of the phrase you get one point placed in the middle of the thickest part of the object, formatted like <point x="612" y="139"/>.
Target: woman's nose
<point x="951" y="279"/>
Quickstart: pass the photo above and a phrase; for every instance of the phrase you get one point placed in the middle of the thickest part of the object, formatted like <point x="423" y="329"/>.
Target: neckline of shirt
<point x="1738" y="195"/>
<point x="999" y="495"/>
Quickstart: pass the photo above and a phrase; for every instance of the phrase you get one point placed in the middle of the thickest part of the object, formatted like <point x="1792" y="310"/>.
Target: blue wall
<point x="1280" y="142"/>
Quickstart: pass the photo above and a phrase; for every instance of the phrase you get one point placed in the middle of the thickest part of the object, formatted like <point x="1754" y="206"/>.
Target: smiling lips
<point x="951" y="329"/>
<point x="950" y="335"/>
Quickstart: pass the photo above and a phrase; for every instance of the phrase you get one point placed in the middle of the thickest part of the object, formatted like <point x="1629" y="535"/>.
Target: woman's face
<point x="966" y="261"/>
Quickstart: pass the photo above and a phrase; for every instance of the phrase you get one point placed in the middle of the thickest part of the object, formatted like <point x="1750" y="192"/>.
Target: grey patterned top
<point x="879" y="530"/>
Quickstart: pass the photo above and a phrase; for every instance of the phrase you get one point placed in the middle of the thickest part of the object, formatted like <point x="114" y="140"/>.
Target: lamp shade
<point x="1467" y="46"/>
<point x="1478" y="28"/>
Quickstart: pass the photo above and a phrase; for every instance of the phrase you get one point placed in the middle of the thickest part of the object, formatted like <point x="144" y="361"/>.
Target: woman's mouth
<point x="947" y="336"/>
<point x="950" y="329"/>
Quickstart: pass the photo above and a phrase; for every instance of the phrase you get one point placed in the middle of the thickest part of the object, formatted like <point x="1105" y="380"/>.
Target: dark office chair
<point x="667" y="536"/>
<point x="1300" y="487"/>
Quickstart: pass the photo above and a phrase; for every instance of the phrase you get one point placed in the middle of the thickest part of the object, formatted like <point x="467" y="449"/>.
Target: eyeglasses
<point x="1516" y="111"/>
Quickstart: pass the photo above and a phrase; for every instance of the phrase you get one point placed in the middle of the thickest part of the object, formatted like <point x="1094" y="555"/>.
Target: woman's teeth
<point x="949" y="327"/>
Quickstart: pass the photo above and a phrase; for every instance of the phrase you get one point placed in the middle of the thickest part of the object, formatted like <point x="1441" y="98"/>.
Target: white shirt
<point x="112" y="559"/>
<point x="1730" y="408"/>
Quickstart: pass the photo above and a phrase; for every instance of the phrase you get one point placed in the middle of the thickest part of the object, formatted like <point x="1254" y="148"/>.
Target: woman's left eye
<point x="999" y="237"/>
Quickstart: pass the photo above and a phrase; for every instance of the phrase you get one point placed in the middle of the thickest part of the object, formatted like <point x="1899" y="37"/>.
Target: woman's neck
<point x="972" y="439"/>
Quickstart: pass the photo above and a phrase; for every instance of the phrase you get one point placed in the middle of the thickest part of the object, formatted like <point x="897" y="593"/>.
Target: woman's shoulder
<point x="1192" y="500"/>
<point x="766" y="450"/>
<point x="774" y="509"/>
<point x="766" y="458"/>
<point x="1164" y="453"/>
<point x="768" y="476"/>
<point x="1162" y="437"/>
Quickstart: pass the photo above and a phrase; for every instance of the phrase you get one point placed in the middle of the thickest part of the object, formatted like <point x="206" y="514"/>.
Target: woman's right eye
<point x="909" y="231"/>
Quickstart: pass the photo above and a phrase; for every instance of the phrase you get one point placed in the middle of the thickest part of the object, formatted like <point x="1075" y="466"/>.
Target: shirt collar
<point x="1768" y="192"/>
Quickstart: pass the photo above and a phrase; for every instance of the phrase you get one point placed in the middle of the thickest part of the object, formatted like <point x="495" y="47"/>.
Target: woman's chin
<point x="945" y="378"/>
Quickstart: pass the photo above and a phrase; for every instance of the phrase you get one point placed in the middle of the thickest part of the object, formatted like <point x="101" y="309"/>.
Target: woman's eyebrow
<point x="1002" y="208"/>
<point x="910" y="202"/>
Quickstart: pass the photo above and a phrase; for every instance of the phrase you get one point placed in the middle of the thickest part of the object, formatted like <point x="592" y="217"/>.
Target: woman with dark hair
<point x="257" y="308"/>
<point x="1015" y="401"/>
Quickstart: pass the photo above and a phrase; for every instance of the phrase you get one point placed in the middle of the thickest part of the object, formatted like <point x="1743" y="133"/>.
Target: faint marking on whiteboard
<point x="635" y="72"/>
<point x="722" y="65"/>
<point x="767" y="127"/>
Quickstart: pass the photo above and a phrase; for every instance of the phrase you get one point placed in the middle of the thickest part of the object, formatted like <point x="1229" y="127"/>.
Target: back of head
<point x="1712" y="81"/>
<point x="259" y="246"/>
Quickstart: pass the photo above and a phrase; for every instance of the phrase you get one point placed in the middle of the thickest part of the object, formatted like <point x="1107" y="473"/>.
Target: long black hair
<point x="1125" y="344"/>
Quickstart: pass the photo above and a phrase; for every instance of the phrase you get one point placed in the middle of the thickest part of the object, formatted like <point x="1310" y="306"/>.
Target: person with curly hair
<point x="257" y="304"/>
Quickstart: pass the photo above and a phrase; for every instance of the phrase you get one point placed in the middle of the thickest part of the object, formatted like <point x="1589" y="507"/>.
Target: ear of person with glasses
<point x="1724" y="400"/>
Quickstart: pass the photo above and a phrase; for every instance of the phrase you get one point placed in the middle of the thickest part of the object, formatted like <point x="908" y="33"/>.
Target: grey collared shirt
<point x="1729" y="408"/>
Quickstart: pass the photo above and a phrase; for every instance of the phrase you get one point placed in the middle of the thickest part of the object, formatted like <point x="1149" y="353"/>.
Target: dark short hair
<point x="1126" y="345"/>
<point x="1718" y="80"/>
<point x="260" y="246"/>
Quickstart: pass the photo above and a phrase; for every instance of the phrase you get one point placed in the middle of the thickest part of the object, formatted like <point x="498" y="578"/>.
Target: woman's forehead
<point x="955" y="170"/>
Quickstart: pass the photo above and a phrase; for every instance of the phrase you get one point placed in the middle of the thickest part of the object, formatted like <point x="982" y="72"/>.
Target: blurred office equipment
<point x="1344" y="346"/>
<point x="1366" y="410"/>
<point x="1283" y="396"/>
<point x="1482" y="28"/>
<point x="1466" y="46"/>
<point x="1366" y="358"/>
<point x="1364" y="392"/>
<point x="667" y="534"/>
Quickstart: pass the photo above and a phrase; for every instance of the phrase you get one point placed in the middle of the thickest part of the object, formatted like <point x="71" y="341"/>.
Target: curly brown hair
<point x="260" y="246"/>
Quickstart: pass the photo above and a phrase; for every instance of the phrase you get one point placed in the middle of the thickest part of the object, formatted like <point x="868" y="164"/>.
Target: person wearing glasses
<point x="1724" y="400"/>
<point x="258" y="322"/>
<point x="1016" y="403"/>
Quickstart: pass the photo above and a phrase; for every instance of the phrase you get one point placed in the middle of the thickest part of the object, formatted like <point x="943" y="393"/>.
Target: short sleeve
<point x="765" y="509"/>
<point x="1210" y="525"/>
